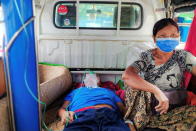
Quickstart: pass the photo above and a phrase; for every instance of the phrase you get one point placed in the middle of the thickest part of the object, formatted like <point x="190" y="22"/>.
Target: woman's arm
<point x="194" y="70"/>
<point x="133" y="80"/>
<point x="191" y="63"/>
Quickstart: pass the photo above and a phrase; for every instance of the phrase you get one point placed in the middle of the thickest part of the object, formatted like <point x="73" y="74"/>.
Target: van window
<point x="131" y="16"/>
<point x="65" y="14"/>
<point x="184" y="20"/>
<point x="97" y="15"/>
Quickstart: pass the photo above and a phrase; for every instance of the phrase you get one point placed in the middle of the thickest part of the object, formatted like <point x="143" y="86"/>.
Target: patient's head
<point x="92" y="80"/>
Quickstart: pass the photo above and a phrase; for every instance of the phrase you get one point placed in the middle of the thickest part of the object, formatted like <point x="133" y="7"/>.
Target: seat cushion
<point x="54" y="81"/>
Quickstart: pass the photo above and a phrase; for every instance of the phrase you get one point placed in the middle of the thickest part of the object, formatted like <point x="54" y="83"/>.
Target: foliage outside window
<point x="184" y="20"/>
<point x="97" y="15"/>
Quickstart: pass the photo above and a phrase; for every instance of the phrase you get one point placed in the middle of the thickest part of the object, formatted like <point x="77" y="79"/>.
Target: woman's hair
<point x="163" y="23"/>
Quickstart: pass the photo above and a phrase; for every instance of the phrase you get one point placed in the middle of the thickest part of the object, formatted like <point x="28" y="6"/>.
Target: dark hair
<point x="163" y="23"/>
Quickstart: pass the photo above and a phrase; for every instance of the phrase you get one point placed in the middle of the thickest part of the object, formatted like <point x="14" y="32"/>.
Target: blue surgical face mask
<point x="167" y="44"/>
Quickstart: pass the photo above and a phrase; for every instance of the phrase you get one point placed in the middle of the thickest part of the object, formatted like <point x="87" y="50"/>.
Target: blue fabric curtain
<point x="22" y="64"/>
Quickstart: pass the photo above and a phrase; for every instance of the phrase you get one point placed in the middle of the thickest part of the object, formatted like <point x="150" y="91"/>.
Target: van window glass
<point x="65" y="15"/>
<point x="97" y="15"/>
<point x="131" y="16"/>
<point x="184" y="20"/>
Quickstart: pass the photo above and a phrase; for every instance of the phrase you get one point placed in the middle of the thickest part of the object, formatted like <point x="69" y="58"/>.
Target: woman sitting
<point x="155" y="72"/>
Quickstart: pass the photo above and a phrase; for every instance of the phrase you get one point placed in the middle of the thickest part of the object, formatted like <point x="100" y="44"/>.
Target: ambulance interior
<point x="73" y="36"/>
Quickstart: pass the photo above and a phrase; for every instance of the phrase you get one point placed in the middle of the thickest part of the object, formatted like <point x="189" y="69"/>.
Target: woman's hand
<point x="163" y="105"/>
<point x="130" y="125"/>
<point x="133" y="80"/>
<point x="66" y="116"/>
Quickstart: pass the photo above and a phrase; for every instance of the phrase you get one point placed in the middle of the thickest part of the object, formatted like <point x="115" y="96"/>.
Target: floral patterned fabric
<point x="139" y="111"/>
<point x="138" y="107"/>
<point x="168" y="75"/>
<point x="165" y="76"/>
<point x="179" y="119"/>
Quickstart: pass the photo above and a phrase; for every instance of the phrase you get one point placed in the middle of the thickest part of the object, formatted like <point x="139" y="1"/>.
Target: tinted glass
<point x="65" y="15"/>
<point x="131" y="16"/>
<point x="97" y="15"/>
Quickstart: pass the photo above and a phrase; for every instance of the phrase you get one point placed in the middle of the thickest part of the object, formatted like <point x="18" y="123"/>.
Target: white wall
<point x="93" y="48"/>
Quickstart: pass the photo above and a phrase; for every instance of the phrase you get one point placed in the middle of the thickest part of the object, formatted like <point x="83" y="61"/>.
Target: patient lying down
<point x="92" y="108"/>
